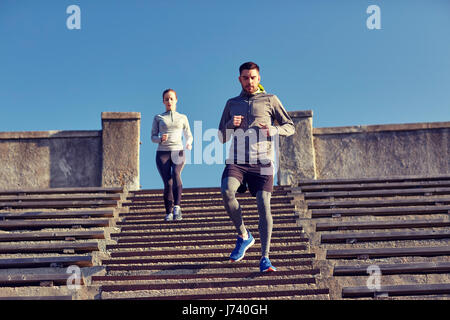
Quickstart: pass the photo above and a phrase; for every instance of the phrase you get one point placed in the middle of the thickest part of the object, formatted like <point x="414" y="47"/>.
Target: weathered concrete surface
<point x="362" y="151"/>
<point x="382" y="151"/>
<point x="50" y="159"/>
<point x="296" y="154"/>
<point x="121" y="138"/>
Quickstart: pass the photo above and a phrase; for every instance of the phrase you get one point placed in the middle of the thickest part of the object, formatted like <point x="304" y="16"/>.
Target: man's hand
<point x="164" y="137"/>
<point x="269" y="131"/>
<point x="237" y="120"/>
<point x="265" y="129"/>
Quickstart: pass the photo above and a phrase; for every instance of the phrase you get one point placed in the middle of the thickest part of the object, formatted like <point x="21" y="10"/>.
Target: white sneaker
<point x="169" y="217"/>
<point x="177" y="213"/>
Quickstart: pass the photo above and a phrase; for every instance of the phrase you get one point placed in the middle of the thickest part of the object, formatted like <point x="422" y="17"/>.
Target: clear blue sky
<point x="314" y="55"/>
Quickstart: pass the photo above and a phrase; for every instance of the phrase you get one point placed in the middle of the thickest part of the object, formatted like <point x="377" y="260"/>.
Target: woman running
<point x="167" y="130"/>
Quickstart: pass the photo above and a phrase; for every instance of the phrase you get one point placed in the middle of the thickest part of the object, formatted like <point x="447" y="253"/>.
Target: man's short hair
<point x="248" y="66"/>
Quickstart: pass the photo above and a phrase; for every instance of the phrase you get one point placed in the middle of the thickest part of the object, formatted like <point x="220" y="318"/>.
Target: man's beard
<point x="248" y="89"/>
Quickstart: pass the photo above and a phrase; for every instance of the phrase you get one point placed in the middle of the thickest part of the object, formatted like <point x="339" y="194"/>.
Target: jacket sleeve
<point x="187" y="132"/>
<point x="155" y="131"/>
<point x="226" y="127"/>
<point x="285" y="125"/>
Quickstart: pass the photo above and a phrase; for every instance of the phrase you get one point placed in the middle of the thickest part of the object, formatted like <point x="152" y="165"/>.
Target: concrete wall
<point x="381" y="151"/>
<point x="296" y="156"/>
<point x="50" y="159"/>
<point x="363" y="151"/>
<point x="53" y="159"/>
<point x="110" y="157"/>
<point x="121" y="140"/>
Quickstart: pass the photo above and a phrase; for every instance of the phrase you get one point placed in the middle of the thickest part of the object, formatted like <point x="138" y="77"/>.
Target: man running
<point x="249" y="119"/>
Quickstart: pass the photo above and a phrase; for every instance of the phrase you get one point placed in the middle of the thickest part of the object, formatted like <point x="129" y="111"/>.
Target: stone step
<point x="383" y="236"/>
<point x="387" y="252"/>
<point x="40" y="262"/>
<point x="40" y="236"/>
<point x="199" y="267"/>
<point x="201" y="203"/>
<point x="377" y="193"/>
<point x="62" y="191"/>
<point x="52" y="197"/>
<point x="197" y="223"/>
<point x="42" y="224"/>
<point x="199" y="236"/>
<point x="56" y="214"/>
<point x="223" y="258"/>
<point x="208" y="210"/>
<point x="41" y="297"/>
<point x="383" y="224"/>
<point x="58" y="204"/>
<point x="385" y="180"/>
<point x="402" y="211"/>
<point x="143" y="243"/>
<point x="372" y="186"/>
<point x="196" y="251"/>
<point x="201" y="191"/>
<point x="82" y="247"/>
<point x="36" y="279"/>
<point x="203" y="275"/>
<point x="168" y="231"/>
<point x="397" y="290"/>
<point x="244" y="282"/>
<point x="153" y="218"/>
<point x="243" y="293"/>
<point x="378" y="203"/>
<point x="397" y="268"/>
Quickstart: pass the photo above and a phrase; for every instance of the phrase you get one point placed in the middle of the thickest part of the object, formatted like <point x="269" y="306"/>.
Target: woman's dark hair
<point x="168" y="90"/>
<point x="248" y="66"/>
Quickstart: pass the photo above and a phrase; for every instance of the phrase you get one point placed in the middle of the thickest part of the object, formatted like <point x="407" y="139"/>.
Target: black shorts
<point x="255" y="176"/>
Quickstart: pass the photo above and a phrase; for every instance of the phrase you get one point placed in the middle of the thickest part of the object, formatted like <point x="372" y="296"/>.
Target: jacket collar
<point x="246" y="94"/>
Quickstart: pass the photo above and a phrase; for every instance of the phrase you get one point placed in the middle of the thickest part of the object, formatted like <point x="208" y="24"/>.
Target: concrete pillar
<point x="296" y="153"/>
<point x="121" y="138"/>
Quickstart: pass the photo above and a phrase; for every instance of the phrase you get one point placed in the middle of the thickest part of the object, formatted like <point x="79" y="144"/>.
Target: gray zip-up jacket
<point x="174" y="124"/>
<point x="249" y="145"/>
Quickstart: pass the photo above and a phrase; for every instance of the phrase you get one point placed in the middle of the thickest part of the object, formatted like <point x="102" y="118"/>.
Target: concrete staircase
<point x="53" y="240"/>
<point x="383" y="238"/>
<point x="380" y="238"/>
<point x="188" y="259"/>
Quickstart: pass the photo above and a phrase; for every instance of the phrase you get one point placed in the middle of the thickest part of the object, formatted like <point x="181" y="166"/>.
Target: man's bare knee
<point x="228" y="194"/>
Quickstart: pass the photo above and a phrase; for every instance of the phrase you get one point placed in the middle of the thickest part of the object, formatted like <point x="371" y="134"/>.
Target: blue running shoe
<point x="241" y="246"/>
<point x="265" y="265"/>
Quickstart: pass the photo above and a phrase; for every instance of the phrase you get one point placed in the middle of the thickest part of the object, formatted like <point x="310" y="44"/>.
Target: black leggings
<point x="170" y="164"/>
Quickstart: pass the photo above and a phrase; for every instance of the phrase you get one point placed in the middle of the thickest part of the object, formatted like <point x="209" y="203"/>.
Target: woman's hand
<point x="164" y="137"/>
<point x="237" y="120"/>
<point x="188" y="147"/>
